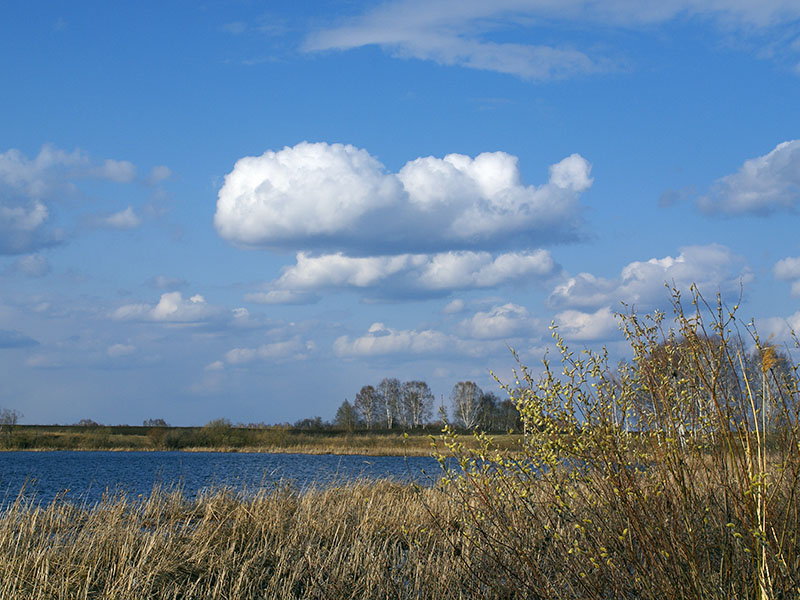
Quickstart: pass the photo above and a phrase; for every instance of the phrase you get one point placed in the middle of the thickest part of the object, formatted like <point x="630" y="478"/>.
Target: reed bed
<point x="359" y="540"/>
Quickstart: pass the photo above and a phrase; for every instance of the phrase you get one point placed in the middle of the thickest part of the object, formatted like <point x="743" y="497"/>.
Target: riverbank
<point x="230" y="439"/>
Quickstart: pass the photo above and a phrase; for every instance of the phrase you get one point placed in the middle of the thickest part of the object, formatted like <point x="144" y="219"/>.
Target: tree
<point x="508" y="417"/>
<point x="389" y="398"/>
<point x="465" y="399"/>
<point x="366" y="405"/>
<point x="155" y="423"/>
<point x="488" y="411"/>
<point x="8" y="420"/>
<point x="417" y="403"/>
<point x="346" y="416"/>
<point x="88" y="423"/>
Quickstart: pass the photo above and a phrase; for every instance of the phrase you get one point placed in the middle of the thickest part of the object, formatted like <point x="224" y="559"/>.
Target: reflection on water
<point x="86" y="476"/>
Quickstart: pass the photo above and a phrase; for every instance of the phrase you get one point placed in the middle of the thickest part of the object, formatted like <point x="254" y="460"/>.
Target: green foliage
<point x="663" y="478"/>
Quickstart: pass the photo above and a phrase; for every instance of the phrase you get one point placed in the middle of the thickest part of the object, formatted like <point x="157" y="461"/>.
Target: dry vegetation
<point x="676" y="476"/>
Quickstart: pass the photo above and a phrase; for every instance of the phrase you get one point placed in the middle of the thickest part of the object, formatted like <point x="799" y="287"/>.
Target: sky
<point x="252" y="209"/>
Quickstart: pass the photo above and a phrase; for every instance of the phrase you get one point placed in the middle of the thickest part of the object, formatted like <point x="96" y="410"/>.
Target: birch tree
<point x="465" y="399"/>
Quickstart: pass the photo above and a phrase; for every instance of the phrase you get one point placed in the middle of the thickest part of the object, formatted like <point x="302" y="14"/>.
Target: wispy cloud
<point x="463" y="33"/>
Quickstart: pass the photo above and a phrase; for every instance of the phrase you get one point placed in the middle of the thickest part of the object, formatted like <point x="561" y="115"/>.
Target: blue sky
<point x="251" y="209"/>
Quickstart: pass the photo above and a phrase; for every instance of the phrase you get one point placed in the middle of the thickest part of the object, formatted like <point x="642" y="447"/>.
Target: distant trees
<point x="466" y="402"/>
<point x="88" y="423"/>
<point x="8" y="420"/>
<point x="416" y="403"/>
<point x="389" y="399"/>
<point x="346" y="417"/>
<point x="155" y="423"/>
<point x="366" y="405"/>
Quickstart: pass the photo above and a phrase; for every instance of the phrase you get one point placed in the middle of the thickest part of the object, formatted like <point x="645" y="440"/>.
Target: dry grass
<point x="360" y="540"/>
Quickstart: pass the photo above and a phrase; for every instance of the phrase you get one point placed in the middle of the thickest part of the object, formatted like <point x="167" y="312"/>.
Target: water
<point x="86" y="476"/>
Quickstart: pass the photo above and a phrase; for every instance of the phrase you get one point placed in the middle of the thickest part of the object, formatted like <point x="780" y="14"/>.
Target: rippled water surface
<point x="86" y="476"/>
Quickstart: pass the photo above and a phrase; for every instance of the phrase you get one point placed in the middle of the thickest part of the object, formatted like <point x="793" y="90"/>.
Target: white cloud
<point x="454" y="307"/>
<point x="162" y="282"/>
<point x="463" y="32"/>
<point x="500" y="322"/>
<point x="117" y="350"/>
<point x="332" y="196"/>
<point x="763" y="185"/>
<point x="158" y="174"/>
<point x="405" y="274"/>
<point x="293" y="349"/>
<point x="171" y="308"/>
<point x="582" y="326"/>
<point x="788" y="269"/>
<point x="121" y="171"/>
<point x="383" y="340"/>
<point x="217" y="365"/>
<point x="281" y="297"/>
<point x="713" y="268"/>
<point x="32" y="265"/>
<point x="125" y="219"/>
<point x="28" y="186"/>
<point x="779" y="329"/>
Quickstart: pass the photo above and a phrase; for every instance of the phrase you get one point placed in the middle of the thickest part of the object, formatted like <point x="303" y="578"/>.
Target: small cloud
<point x="158" y="174"/>
<point x="383" y="340"/>
<point x="763" y="185"/>
<point x="125" y="219"/>
<point x="589" y="327"/>
<point x="171" y="308"/>
<point x="501" y="322"/>
<point x="282" y="297"/>
<point x="12" y="339"/>
<point x="120" y="171"/>
<point x="293" y="349"/>
<point x="713" y="268"/>
<point x="235" y="27"/>
<point x="32" y="265"/>
<point x="162" y="282"/>
<point x="788" y="269"/>
<point x="454" y="307"/>
<point x="217" y="365"/>
<point x="118" y="350"/>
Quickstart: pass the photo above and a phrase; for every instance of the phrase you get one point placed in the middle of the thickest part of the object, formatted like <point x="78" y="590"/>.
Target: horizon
<point x="251" y="210"/>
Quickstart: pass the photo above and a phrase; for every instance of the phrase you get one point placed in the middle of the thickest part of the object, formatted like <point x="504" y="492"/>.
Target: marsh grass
<point x="358" y="540"/>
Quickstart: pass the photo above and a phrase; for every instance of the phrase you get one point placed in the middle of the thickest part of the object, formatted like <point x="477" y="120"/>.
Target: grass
<point x="360" y="540"/>
<point x="234" y="439"/>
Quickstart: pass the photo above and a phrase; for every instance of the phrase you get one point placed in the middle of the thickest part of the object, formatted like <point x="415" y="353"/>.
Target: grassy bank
<point x="228" y="439"/>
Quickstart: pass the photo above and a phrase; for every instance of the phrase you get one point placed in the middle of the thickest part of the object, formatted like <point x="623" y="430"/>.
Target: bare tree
<point x="389" y="394"/>
<point x="366" y="404"/>
<point x="465" y="399"/>
<point x="417" y="402"/>
<point x="8" y="419"/>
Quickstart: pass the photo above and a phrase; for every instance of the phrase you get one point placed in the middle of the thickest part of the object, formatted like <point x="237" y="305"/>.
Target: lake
<point x="86" y="476"/>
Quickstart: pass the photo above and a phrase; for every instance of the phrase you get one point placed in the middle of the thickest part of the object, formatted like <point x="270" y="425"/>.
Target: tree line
<point x="410" y="405"/>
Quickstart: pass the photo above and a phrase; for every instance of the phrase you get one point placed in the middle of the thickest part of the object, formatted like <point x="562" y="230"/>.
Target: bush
<point x="659" y="479"/>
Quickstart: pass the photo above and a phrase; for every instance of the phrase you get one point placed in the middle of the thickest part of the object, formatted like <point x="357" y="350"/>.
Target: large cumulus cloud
<point x="338" y="197"/>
